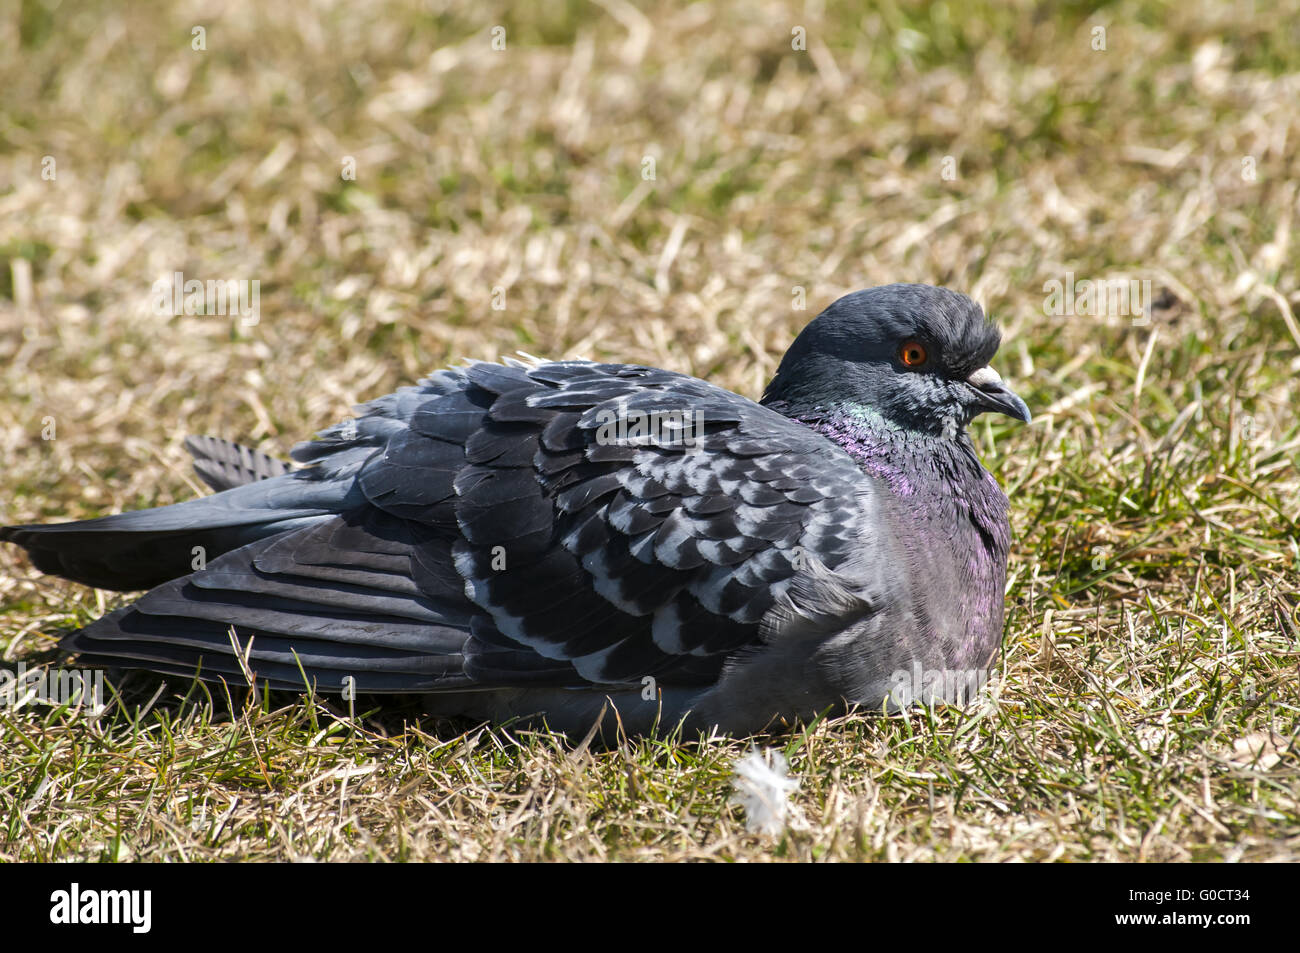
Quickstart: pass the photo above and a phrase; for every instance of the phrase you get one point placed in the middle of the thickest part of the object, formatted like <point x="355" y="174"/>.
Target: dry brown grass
<point x="1151" y="654"/>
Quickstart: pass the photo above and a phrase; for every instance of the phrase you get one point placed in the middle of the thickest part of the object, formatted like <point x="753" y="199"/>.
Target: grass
<point x="1146" y="707"/>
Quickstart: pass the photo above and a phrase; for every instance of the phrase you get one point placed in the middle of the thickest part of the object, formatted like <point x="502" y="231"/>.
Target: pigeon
<point x="563" y="543"/>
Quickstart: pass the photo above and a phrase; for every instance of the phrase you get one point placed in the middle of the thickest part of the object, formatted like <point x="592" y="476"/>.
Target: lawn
<point x="683" y="185"/>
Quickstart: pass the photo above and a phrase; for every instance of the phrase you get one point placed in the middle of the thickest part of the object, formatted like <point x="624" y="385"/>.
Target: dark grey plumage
<point x="508" y="540"/>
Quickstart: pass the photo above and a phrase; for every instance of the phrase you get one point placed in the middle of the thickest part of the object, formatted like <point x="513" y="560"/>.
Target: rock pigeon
<point x="564" y="541"/>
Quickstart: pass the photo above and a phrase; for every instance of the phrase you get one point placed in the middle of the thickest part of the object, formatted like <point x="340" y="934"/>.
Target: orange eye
<point x="912" y="353"/>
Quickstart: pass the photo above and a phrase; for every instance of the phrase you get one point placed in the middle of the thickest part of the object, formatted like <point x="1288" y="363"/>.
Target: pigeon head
<point x="914" y="356"/>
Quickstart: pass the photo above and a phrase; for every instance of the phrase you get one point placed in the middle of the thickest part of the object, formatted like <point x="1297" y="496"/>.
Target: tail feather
<point x="143" y="549"/>
<point x="371" y="634"/>
<point x="209" y="654"/>
<point x="223" y="464"/>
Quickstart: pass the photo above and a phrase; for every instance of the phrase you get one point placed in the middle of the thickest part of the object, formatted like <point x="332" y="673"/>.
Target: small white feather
<point x="763" y="787"/>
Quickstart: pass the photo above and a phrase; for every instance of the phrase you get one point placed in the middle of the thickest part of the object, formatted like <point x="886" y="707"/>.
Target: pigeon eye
<point x="912" y="353"/>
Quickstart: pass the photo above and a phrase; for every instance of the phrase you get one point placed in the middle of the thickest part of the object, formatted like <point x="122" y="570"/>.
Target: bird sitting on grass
<point x="554" y="540"/>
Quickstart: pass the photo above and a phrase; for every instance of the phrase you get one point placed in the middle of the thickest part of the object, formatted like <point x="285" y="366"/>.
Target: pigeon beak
<point x="996" y="396"/>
